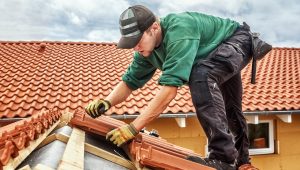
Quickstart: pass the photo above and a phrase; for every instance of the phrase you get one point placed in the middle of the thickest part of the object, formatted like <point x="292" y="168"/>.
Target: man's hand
<point x="121" y="135"/>
<point x="97" y="107"/>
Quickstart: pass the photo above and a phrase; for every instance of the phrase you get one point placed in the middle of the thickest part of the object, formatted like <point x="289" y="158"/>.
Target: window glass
<point x="259" y="135"/>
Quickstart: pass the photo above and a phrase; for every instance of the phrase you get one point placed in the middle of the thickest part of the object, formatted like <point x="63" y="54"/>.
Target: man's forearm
<point x="157" y="105"/>
<point x="119" y="94"/>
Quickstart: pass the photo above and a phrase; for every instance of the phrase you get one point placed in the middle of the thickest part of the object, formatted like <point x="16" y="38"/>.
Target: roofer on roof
<point x="204" y="52"/>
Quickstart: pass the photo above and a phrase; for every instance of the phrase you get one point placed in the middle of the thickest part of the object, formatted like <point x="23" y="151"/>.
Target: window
<point x="261" y="137"/>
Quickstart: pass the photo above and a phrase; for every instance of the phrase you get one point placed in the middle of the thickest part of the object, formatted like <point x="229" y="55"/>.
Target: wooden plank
<point x="65" y="119"/>
<point x="181" y="122"/>
<point x="14" y="162"/>
<point x="109" y="156"/>
<point x="100" y="153"/>
<point x="91" y="149"/>
<point x="253" y="119"/>
<point x="47" y="140"/>
<point x="73" y="157"/>
<point x="26" y="167"/>
<point x="287" y="118"/>
<point x="42" y="167"/>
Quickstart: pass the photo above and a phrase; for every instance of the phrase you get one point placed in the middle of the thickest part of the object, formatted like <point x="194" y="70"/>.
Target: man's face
<point x="146" y="44"/>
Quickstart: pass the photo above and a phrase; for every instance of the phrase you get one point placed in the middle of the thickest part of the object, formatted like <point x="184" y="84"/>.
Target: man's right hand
<point x="97" y="107"/>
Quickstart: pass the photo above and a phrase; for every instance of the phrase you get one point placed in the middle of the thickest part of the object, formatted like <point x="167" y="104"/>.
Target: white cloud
<point x="75" y="19"/>
<point x="97" y="20"/>
<point x="103" y="35"/>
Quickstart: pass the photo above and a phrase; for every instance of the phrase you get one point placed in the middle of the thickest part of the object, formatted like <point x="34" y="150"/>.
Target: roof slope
<point x="68" y="75"/>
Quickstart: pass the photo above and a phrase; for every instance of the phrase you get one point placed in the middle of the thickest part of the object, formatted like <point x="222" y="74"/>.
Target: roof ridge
<point x="58" y="42"/>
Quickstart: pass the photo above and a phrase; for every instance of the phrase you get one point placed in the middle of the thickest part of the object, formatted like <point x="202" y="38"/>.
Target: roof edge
<point x="86" y="42"/>
<point x="193" y="114"/>
<point x="272" y="112"/>
<point x="182" y="115"/>
<point x="59" y="42"/>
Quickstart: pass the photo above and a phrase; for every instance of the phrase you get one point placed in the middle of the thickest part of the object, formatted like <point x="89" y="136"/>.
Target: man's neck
<point x="158" y="37"/>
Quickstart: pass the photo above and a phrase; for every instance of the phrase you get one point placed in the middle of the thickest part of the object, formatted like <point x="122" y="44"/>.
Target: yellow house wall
<point x="193" y="137"/>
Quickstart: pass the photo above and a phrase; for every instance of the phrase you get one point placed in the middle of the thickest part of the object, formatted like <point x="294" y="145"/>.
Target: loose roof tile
<point x="145" y="149"/>
<point x="68" y="75"/>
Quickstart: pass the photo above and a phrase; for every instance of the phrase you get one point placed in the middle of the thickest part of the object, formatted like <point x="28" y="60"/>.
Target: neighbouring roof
<point x="68" y="75"/>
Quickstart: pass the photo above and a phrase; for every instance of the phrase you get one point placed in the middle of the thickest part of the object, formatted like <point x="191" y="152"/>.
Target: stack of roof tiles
<point x="145" y="149"/>
<point x="17" y="136"/>
<point x="67" y="75"/>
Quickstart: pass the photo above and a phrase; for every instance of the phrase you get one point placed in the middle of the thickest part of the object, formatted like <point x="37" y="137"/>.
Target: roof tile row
<point x="68" y="75"/>
<point x="145" y="149"/>
<point x="17" y="136"/>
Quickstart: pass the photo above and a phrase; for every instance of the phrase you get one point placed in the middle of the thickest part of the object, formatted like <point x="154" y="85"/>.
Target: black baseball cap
<point x="133" y="22"/>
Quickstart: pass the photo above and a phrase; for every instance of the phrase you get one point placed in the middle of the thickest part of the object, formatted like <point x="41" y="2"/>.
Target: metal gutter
<point x="270" y="112"/>
<point x="192" y="114"/>
<point x="181" y="115"/>
<point x="165" y="115"/>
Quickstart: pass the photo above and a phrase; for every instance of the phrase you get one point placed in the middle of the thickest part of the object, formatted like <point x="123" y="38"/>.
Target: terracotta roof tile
<point x="145" y="149"/>
<point x="17" y="136"/>
<point x="278" y="82"/>
<point x="68" y="75"/>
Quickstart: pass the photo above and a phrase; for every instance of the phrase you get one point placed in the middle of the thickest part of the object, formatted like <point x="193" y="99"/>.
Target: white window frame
<point x="259" y="151"/>
<point x="270" y="149"/>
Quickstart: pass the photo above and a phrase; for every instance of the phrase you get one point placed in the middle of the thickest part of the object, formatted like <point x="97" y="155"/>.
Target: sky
<point x="277" y="21"/>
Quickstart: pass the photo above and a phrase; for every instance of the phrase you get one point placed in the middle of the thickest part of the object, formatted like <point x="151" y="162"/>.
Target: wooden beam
<point x="73" y="157"/>
<point x="252" y="119"/>
<point x="14" y="162"/>
<point x="181" y="122"/>
<point x="100" y="153"/>
<point x="65" y="119"/>
<point x="91" y="149"/>
<point x="42" y="167"/>
<point x="47" y="140"/>
<point x="109" y="156"/>
<point x="26" y="167"/>
<point x="287" y="118"/>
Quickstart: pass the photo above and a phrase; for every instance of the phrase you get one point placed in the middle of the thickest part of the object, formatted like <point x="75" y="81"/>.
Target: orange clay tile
<point x="145" y="149"/>
<point x="17" y="136"/>
<point x="68" y="75"/>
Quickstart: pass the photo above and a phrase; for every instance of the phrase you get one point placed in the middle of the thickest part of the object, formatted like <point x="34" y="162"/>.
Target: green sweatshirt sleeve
<point x="179" y="62"/>
<point x="138" y="73"/>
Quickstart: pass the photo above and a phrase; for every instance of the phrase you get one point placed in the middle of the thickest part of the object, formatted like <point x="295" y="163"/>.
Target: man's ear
<point x="155" y="26"/>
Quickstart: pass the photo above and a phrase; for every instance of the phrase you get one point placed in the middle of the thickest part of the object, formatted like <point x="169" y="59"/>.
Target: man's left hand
<point x="121" y="135"/>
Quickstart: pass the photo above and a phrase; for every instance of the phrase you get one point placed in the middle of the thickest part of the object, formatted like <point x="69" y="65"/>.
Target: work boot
<point x="247" y="167"/>
<point x="218" y="165"/>
<point x="259" y="47"/>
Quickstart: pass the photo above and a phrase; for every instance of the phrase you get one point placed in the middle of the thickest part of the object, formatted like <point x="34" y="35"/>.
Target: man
<point x="203" y="51"/>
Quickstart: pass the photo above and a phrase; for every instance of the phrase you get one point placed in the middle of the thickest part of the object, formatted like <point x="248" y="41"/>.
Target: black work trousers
<point x="216" y="89"/>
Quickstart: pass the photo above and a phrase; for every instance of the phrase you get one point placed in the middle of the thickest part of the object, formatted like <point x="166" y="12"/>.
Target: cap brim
<point x="129" y="42"/>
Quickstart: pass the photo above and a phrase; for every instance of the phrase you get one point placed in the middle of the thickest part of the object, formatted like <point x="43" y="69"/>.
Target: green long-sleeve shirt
<point x="187" y="38"/>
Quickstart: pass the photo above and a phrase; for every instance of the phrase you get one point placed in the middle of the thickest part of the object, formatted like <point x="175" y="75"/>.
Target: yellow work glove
<point x="121" y="135"/>
<point x="97" y="107"/>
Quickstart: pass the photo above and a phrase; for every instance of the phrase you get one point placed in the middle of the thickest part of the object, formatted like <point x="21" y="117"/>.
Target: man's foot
<point x="247" y="167"/>
<point x="219" y="165"/>
<point x="259" y="47"/>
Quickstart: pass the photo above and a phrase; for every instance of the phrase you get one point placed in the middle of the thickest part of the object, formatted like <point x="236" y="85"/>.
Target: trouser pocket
<point x="229" y="57"/>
